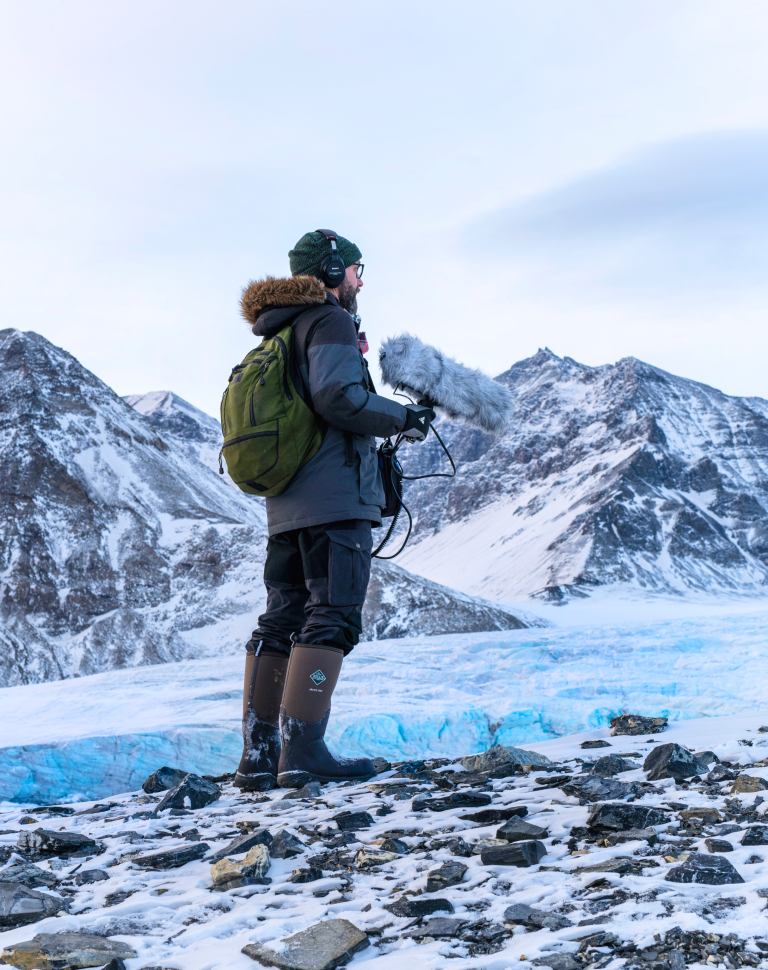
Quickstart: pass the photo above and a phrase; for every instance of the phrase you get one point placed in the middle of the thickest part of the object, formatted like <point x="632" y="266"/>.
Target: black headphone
<point x="332" y="268"/>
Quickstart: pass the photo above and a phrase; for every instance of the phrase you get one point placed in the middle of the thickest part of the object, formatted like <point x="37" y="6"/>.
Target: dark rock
<point x="672" y="761"/>
<point x="517" y="830"/>
<point x="87" y="876"/>
<point x="633" y="835"/>
<point x="311" y="790"/>
<point x="745" y="784"/>
<point x="591" y="788"/>
<point x="595" y="744"/>
<point x="381" y="765"/>
<point x="411" y="908"/>
<point x="458" y="847"/>
<point x="458" y="799"/>
<point x="306" y="875"/>
<point x="395" y="845"/>
<point x="620" y="865"/>
<point x="191" y="835"/>
<point x="610" y="765"/>
<point x="352" y="821"/>
<point x="500" y="755"/>
<point x="718" y="845"/>
<point x="66" y="951"/>
<point x="728" y="829"/>
<point x="449" y="874"/>
<point x="46" y="842"/>
<point x="522" y="915"/>
<point x="28" y="875"/>
<point x="635" y="724"/>
<point x="755" y="835"/>
<point x="720" y="773"/>
<point x="514" y="854"/>
<point x="191" y="792"/>
<point x="172" y="858"/>
<point x="621" y="817"/>
<point x="163" y="780"/>
<point x="285" y="846"/>
<point x="384" y="811"/>
<point x="115" y="964"/>
<point x="439" y="926"/>
<point x="492" y="816"/>
<point x="323" y="946"/>
<point x="558" y="961"/>
<point x="20" y="905"/>
<point x="711" y="870"/>
<point x="243" y="843"/>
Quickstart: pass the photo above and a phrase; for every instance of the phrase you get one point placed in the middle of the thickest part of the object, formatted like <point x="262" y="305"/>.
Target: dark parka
<point x="342" y="480"/>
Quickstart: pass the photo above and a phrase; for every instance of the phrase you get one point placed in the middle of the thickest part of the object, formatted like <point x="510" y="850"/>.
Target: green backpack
<point x="269" y="432"/>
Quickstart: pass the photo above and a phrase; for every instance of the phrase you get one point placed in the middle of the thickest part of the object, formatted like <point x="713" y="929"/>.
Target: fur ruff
<point x="273" y="292"/>
<point x="459" y="392"/>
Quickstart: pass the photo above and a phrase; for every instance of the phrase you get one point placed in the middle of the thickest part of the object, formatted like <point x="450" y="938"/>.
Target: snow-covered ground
<point x="413" y="697"/>
<point x="614" y="903"/>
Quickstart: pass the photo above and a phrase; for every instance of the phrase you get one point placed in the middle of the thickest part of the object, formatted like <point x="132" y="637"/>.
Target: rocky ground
<point x="627" y="850"/>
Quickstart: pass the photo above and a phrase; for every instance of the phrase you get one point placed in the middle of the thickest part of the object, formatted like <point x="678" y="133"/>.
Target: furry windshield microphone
<point x="427" y="374"/>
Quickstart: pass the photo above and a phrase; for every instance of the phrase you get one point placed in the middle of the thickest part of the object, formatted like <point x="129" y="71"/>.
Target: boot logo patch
<point x="317" y="677"/>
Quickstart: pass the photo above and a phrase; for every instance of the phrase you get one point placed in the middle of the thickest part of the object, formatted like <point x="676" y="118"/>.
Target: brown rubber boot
<point x="311" y="679"/>
<point x="265" y="670"/>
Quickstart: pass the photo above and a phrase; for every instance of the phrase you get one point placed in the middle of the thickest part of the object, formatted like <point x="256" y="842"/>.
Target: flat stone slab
<point x="711" y="870"/>
<point x="172" y="858"/>
<point x="718" y="845"/>
<point x="586" y="745"/>
<point x="323" y="946"/>
<point x="492" y="816"/>
<point x="352" y="821"/>
<point x="20" y="905"/>
<point x="458" y="799"/>
<point x="437" y="927"/>
<point x="591" y="788"/>
<point x="254" y="868"/>
<point x="610" y="765"/>
<point x="558" y="961"/>
<point x="411" y="908"/>
<point x="47" y="842"/>
<point x="53" y="951"/>
<point x="287" y="846"/>
<point x="634" y="724"/>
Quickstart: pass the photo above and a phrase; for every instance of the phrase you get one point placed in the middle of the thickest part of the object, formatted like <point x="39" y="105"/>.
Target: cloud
<point x="685" y="217"/>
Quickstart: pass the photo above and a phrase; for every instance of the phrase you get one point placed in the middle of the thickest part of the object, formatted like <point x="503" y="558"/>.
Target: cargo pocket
<point x="349" y="566"/>
<point x="371" y="488"/>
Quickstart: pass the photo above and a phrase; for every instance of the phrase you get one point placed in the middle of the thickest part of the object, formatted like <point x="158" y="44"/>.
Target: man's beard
<point x="348" y="297"/>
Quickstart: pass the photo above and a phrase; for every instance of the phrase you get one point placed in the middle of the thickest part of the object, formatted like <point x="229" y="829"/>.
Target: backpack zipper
<point x="284" y="352"/>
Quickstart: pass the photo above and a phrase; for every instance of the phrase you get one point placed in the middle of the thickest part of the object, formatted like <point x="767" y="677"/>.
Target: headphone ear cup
<point x="332" y="271"/>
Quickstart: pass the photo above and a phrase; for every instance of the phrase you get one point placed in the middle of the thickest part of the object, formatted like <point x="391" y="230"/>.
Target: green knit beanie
<point x="311" y="250"/>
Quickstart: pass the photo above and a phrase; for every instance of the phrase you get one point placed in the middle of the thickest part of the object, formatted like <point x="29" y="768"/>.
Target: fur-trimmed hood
<point x="274" y="293"/>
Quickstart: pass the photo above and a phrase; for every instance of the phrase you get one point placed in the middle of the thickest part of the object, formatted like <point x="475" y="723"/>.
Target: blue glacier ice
<point x="445" y="695"/>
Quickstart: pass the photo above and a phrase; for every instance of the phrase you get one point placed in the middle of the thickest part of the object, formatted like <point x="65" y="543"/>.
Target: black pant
<point x="316" y="581"/>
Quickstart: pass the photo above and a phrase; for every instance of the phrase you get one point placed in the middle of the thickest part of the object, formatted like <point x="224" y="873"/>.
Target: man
<point x="319" y="549"/>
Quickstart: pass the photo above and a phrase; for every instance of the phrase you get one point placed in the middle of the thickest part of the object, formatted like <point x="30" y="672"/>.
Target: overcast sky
<point x="590" y="176"/>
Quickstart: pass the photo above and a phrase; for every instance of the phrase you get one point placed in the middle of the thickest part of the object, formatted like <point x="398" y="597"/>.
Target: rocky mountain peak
<point x="618" y="473"/>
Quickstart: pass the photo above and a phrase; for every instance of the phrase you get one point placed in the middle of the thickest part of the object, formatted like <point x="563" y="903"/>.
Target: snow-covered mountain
<point x="176" y="418"/>
<point x="614" y="474"/>
<point x="118" y="546"/>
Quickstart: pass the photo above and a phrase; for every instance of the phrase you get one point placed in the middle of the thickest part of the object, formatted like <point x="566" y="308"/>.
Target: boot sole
<point x="298" y="779"/>
<point x="260" y="782"/>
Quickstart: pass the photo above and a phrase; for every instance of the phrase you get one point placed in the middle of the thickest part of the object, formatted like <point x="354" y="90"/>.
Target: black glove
<point x="417" y="422"/>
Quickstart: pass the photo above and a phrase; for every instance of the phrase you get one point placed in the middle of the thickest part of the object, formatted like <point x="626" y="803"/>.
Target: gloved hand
<point x="418" y="421"/>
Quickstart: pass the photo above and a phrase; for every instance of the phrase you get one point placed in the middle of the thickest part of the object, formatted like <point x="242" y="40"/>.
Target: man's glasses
<point x="359" y="267"/>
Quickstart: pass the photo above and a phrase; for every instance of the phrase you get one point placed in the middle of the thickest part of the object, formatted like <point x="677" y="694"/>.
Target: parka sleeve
<point x="338" y="381"/>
